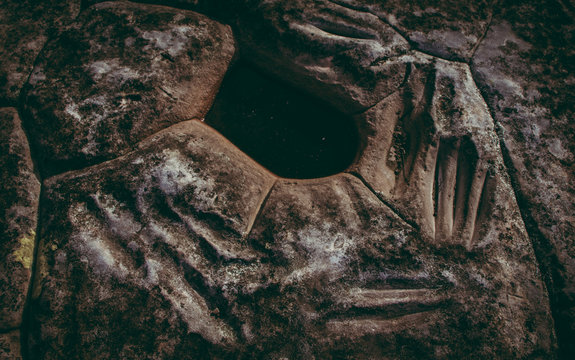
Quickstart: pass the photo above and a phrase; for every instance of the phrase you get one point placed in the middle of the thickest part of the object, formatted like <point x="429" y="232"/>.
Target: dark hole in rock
<point x="288" y="132"/>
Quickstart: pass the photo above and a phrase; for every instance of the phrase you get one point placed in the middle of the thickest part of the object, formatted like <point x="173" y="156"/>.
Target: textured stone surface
<point x="144" y="256"/>
<point x="357" y="281"/>
<point x="172" y="243"/>
<point x="10" y="346"/>
<point x="122" y="72"/>
<point x="19" y="197"/>
<point x="440" y="28"/>
<point x="525" y="67"/>
<point x="324" y="48"/>
<point x="25" y="26"/>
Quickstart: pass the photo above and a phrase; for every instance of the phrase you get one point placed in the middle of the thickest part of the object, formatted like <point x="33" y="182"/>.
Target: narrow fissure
<point x="26" y="315"/>
<point x="543" y="250"/>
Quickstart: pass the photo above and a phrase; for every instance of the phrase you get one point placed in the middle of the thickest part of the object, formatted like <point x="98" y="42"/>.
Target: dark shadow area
<point x="290" y="133"/>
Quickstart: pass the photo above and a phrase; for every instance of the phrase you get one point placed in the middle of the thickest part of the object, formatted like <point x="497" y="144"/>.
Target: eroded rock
<point x="10" y="346"/>
<point x="25" y="26"/>
<point x="357" y="281"/>
<point x="525" y="68"/>
<point x="19" y="196"/>
<point x="183" y="247"/>
<point x="335" y="52"/>
<point x="439" y="28"/>
<point x="145" y="255"/>
<point x="122" y="72"/>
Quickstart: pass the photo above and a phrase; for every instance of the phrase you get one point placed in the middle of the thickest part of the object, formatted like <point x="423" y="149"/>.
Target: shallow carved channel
<point x="288" y="132"/>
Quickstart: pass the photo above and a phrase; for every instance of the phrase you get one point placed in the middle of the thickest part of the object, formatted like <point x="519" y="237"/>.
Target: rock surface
<point x="336" y="53"/>
<point x="10" y="346"/>
<point x="170" y="242"/>
<point x="25" y="26"/>
<point x="19" y="196"/>
<point x="440" y="28"/>
<point x="122" y="72"/>
<point x="525" y="67"/>
<point x="357" y="281"/>
<point x="157" y="239"/>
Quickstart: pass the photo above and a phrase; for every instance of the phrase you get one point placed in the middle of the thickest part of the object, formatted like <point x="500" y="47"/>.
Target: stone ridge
<point x="88" y="101"/>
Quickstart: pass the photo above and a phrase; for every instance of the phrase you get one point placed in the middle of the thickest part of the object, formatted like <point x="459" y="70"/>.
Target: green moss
<point x="25" y="253"/>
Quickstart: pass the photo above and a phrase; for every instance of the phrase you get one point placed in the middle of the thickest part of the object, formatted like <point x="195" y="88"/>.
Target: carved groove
<point x="460" y="192"/>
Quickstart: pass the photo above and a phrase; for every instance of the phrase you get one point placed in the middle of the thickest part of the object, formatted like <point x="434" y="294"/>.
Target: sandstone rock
<point x="429" y="147"/>
<point x="525" y="68"/>
<point x="173" y="243"/>
<point x="332" y="51"/>
<point x="122" y="72"/>
<point x="144" y="256"/>
<point x="10" y="346"/>
<point x="19" y="197"/>
<point x="357" y="281"/>
<point x="440" y="28"/>
<point x="24" y="28"/>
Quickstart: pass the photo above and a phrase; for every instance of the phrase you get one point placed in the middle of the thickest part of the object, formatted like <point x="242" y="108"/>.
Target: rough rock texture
<point x="440" y="28"/>
<point x="25" y="26"/>
<point x="356" y="281"/>
<point x="10" y="346"/>
<point x="19" y="197"/>
<point x="525" y="67"/>
<point x="144" y="256"/>
<point x="340" y="54"/>
<point x="171" y="242"/>
<point x="122" y="72"/>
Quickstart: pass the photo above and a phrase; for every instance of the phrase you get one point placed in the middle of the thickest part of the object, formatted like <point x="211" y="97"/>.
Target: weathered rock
<point x="10" y="346"/>
<point x="337" y="53"/>
<point x="525" y="67"/>
<point x="428" y="148"/>
<point x="25" y="27"/>
<point x="357" y="281"/>
<point x="144" y="256"/>
<point x="122" y="72"/>
<point x="181" y="246"/>
<point x="19" y="197"/>
<point x="440" y="28"/>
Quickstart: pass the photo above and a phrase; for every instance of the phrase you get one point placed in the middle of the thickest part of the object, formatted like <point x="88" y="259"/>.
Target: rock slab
<point x="121" y="73"/>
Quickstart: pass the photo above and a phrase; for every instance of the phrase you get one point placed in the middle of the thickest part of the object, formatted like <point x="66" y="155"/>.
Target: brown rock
<point x="337" y="53"/>
<point x="24" y="28"/>
<point x="357" y="281"/>
<point x="145" y="255"/>
<point x="181" y="246"/>
<point x="10" y="346"/>
<point x="525" y="68"/>
<point x="19" y="196"/>
<point x="440" y="28"/>
<point x="122" y="72"/>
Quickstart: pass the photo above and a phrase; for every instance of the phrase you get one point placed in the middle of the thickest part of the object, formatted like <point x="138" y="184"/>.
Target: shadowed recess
<point x="288" y="132"/>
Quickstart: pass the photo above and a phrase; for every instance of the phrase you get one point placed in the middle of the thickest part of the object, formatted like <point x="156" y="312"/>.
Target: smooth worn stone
<point x="357" y="281"/>
<point x="10" y="346"/>
<point x="432" y="147"/>
<point x="19" y="196"/>
<point x="25" y="26"/>
<point x="339" y="54"/>
<point x="525" y="67"/>
<point x="145" y="256"/>
<point x="121" y="73"/>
